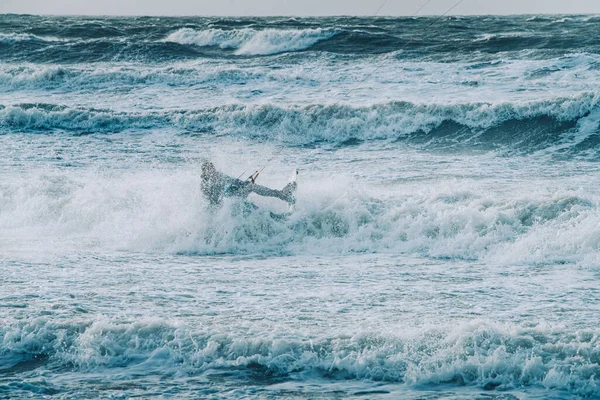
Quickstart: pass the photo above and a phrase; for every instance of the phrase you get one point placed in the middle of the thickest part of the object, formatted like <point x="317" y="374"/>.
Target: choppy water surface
<point x="445" y="244"/>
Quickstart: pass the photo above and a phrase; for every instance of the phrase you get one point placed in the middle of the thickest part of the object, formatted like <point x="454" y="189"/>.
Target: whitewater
<point x="445" y="243"/>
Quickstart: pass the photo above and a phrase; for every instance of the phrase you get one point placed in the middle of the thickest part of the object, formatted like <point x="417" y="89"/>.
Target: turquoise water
<point x="445" y="242"/>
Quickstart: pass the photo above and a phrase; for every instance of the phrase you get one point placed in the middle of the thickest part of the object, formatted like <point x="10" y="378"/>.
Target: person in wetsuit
<point x="216" y="185"/>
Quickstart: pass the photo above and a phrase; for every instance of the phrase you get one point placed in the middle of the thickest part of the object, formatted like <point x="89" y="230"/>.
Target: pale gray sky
<point x="294" y="7"/>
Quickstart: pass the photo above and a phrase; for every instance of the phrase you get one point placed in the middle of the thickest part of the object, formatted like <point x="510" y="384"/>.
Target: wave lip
<point x="249" y="41"/>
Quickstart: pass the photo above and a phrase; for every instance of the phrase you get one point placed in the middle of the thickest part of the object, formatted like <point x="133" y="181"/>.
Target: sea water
<point x="446" y="237"/>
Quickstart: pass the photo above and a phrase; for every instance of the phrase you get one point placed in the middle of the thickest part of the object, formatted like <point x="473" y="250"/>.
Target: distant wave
<point x="563" y="20"/>
<point x="486" y="37"/>
<point x="249" y="41"/>
<point x="83" y="77"/>
<point x="479" y="354"/>
<point x="10" y="38"/>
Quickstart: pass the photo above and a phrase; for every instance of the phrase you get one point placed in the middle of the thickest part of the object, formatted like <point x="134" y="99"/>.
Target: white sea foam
<point x="306" y="83"/>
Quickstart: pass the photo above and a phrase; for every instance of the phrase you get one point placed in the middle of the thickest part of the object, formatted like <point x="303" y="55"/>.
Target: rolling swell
<point x="80" y="40"/>
<point x="522" y="126"/>
<point x="483" y="355"/>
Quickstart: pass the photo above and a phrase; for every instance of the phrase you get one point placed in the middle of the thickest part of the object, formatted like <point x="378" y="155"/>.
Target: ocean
<point x="445" y="243"/>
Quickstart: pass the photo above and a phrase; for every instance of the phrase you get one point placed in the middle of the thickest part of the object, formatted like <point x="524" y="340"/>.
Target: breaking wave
<point x="249" y="41"/>
<point x="525" y="126"/>
<point x="479" y="354"/>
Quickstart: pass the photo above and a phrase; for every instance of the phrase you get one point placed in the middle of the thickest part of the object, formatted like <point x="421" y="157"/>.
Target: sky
<point x="295" y="7"/>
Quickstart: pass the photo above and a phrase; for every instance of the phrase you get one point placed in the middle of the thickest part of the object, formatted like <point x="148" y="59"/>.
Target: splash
<point x="165" y="212"/>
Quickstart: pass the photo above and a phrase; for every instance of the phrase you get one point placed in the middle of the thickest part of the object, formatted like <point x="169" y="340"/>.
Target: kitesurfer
<point x="217" y="185"/>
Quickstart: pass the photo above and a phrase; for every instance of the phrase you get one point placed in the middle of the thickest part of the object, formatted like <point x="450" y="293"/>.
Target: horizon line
<point x="298" y="16"/>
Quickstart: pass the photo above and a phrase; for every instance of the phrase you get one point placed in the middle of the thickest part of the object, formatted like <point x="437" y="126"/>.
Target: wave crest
<point x="249" y="41"/>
